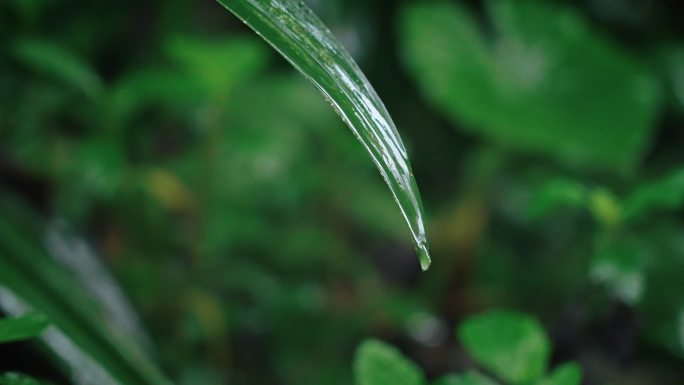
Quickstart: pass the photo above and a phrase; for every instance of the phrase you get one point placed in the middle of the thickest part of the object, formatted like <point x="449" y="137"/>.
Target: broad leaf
<point x="544" y="82"/>
<point x="513" y="346"/>
<point x="19" y="328"/>
<point x="85" y="338"/>
<point x="297" y="34"/>
<point x="377" y="363"/>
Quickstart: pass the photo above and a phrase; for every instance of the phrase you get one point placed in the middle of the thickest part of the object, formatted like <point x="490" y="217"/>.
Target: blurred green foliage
<point x="511" y="345"/>
<point x="544" y="82"/>
<point x="19" y="328"/>
<point x="255" y="240"/>
<point x="378" y="363"/>
<point x="470" y="378"/>
<point x="17" y="379"/>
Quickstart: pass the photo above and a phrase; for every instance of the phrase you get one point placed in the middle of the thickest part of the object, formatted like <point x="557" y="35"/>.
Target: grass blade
<point x="30" y="276"/>
<point x="19" y="328"/>
<point x="293" y="30"/>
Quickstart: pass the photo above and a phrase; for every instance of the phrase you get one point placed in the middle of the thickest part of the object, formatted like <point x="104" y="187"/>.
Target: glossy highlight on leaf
<point x="298" y="35"/>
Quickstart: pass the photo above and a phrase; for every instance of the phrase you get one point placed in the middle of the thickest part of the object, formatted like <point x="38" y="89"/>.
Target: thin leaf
<point x="53" y="60"/>
<point x="85" y="340"/>
<point x="17" y="379"/>
<point x="79" y="258"/>
<point x="296" y="33"/>
<point x="20" y="328"/>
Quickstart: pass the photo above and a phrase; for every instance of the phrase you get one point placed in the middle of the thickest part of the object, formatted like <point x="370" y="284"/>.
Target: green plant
<point x="533" y="77"/>
<point x="17" y="329"/>
<point x="296" y="33"/>
<point x="20" y="328"/>
<point x="544" y="83"/>
<point x="183" y="207"/>
<point x="18" y="379"/>
<point x="291" y="28"/>
<point x="633" y="263"/>
<point x="512" y="346"/>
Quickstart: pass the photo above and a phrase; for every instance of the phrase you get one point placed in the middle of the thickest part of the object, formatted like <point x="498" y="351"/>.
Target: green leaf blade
<point x="377" y="363"/>
<point x="293" y="30"/>
<point x="36" y="280"/>
<point x="59" y="63"/>
<point x="512" y="345"/>
<point x="541" y="81"/>
<point x="17" y="379"/>
<point x="664" y="194"/>
<point x="20" y="328"/>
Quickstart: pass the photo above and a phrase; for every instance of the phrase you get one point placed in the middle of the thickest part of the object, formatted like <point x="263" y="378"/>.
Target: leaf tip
<point x="423" y="257"/>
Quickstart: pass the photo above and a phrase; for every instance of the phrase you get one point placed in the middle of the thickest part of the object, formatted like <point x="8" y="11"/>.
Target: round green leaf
<point x="512" y="345"/>
<point x="377" y="363"/>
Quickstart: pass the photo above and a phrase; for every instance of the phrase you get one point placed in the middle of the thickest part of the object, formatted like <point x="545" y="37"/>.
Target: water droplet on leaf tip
<point x="424" y="258"/>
